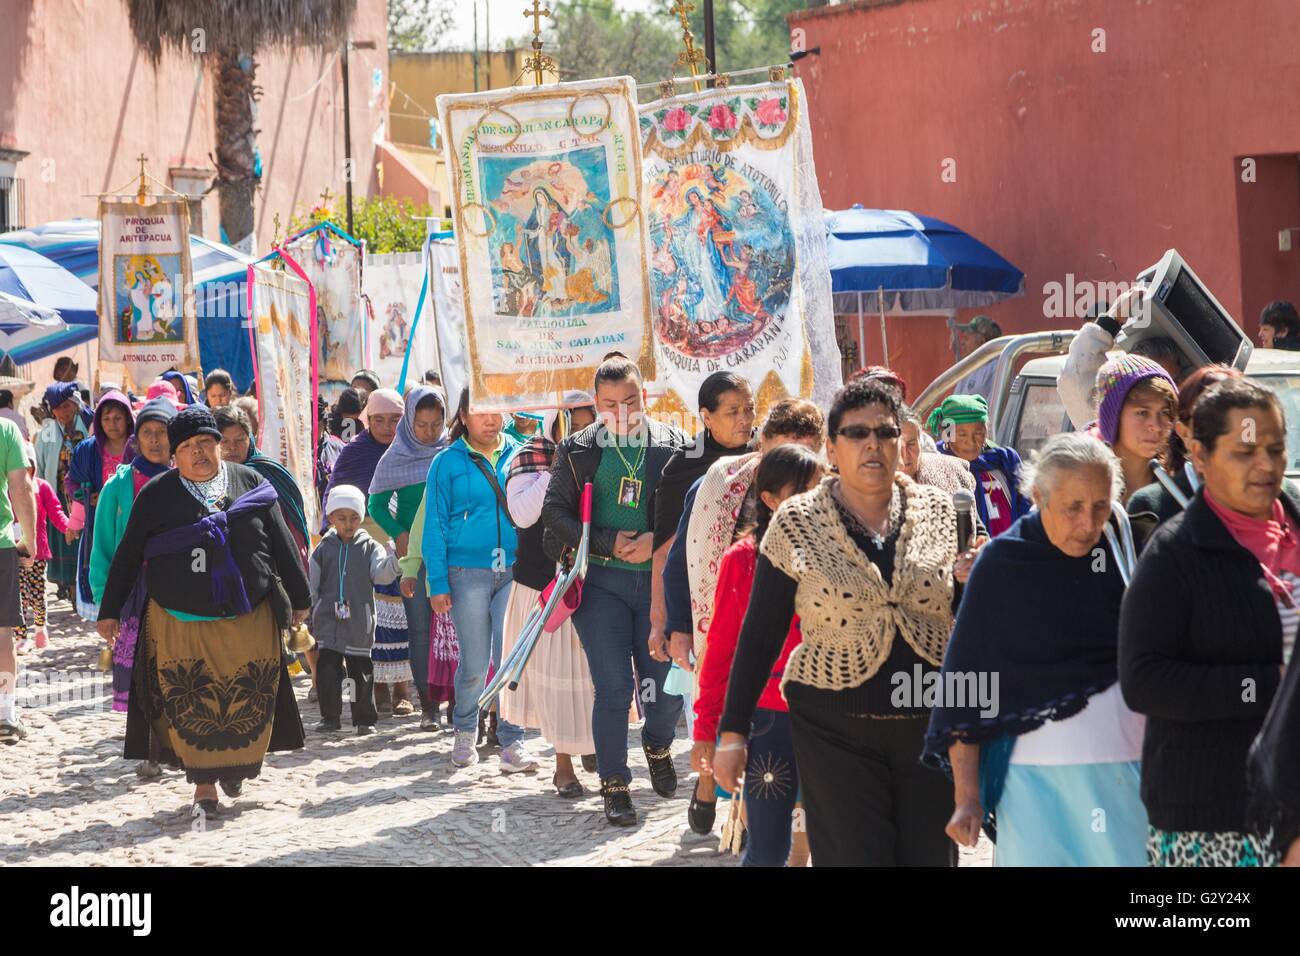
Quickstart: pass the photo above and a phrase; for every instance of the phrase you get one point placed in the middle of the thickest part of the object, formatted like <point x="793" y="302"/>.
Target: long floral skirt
<point x="444" y="655"/>
<point x="212" y="688"/>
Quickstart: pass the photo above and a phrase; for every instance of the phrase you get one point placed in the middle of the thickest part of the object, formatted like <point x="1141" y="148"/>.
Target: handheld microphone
<point x="964" y="502"/>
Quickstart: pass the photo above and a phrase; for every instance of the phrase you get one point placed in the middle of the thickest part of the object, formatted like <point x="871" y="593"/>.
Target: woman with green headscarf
<point x="960" y="425"/>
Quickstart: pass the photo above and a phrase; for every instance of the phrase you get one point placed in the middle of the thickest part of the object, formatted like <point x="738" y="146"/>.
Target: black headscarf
<point x="683" y="469"/>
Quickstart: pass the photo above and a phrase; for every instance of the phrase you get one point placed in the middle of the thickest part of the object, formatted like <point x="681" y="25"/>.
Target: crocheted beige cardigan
<point x="847" y="613"/>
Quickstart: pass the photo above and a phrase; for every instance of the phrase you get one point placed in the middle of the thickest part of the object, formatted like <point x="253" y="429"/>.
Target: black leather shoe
<point x="231" y="788"/>
<point x="663" y="775"/>
<point x="210" y="809"/>
<point x="589" y="763"/>
<point x="618" y="802"/>
<point x="701" y="815"/>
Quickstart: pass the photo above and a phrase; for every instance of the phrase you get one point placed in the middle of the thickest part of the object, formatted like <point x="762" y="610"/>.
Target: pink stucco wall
<point x="76" y="95"/>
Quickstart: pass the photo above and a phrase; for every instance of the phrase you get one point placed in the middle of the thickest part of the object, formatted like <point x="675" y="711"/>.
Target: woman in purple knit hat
<point x="1137" y="405"/>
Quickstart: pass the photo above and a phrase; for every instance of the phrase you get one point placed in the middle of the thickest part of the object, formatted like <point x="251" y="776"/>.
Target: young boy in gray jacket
<point x="343" y="572"/>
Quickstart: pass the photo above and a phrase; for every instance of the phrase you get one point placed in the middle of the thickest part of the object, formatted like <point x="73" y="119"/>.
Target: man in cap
<point x="966" y="338"/>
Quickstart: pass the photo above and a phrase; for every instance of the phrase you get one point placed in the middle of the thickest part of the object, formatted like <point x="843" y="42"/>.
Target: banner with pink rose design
<point x="738" y="272"/>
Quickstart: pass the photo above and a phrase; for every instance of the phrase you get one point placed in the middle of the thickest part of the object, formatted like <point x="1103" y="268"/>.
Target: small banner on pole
<point x="392" y="283"/>
<point x="283" y="330"/>
<point x="333" y="263"/>
<point x="738" y="272"/>
<point x="552" y="237"/>
<point x="146" y="288"/>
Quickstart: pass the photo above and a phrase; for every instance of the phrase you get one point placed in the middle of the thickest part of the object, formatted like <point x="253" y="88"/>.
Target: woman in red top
<point x="771" y="782"/>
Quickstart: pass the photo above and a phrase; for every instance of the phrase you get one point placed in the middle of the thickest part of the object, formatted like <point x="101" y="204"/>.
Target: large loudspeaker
<point x="1183" y="309"/>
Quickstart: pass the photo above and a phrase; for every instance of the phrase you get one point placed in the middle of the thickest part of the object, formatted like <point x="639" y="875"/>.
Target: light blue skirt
<point x="1085" y="815"/>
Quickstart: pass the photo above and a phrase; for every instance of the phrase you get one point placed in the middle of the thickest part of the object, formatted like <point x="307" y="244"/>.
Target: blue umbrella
<point x="220" y="286"/>
<point x="46" y="308"/>
<point x="913" y="264"/>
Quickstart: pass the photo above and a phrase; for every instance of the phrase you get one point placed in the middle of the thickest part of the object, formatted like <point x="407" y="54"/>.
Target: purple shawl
<point x="227" y="583"/>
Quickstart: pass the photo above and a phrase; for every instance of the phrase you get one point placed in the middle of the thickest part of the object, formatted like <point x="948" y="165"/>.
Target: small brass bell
<point x="299" y="639"/>
<point x="105" y="664"/>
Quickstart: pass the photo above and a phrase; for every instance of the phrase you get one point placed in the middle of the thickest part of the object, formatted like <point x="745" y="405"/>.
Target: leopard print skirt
<point x="1201" y="848"/>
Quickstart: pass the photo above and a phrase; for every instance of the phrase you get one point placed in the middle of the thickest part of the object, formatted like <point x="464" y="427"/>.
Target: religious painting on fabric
<point x="445" y="318"/>
<point x="333" y="264"/>
<point x="738" y="272"/>
<point x="551" y="232"/>
<point x="146" y="289"/>
<point x="392" y="287"/>
<point x="284" y="332"/>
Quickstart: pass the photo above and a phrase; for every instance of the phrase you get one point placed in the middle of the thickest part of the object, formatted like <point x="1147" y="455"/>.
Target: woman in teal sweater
<point x="469" y="550"/>
<point x="395" y="495"/>
<point x="153" y="455"/>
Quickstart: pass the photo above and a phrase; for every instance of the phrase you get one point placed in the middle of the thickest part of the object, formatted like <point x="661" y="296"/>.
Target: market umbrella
<point x="912" y="263"/>
<point x="220" y="286"/>
<point x="44" y="308"/>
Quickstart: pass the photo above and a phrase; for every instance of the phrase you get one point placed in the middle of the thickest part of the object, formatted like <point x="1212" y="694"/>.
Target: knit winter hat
<point x="345" y="496"/>
<point x="1115" y="380"/>
<point x="155" y="410"/>
<point x="958" y="410"/>
<point x="194" y="420"/>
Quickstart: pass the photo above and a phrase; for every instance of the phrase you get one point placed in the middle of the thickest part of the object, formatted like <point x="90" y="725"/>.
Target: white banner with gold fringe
<point x="548" y="210"/>
<point x="738" y="272"/>
<point x="146" y="289"/>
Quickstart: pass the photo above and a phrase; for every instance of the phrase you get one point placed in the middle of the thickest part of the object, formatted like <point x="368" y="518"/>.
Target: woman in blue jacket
<point x="469" y="549"/>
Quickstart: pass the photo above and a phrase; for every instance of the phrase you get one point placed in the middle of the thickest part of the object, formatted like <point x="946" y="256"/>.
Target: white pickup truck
<point x="1025" y="408"/>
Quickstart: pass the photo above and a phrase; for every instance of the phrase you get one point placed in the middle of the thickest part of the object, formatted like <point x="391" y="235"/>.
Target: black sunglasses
<point x="860" y="432"/>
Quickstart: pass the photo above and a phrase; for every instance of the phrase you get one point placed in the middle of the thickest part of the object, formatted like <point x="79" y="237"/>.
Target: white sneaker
<point x="515" y="759"/>
<point x="464" y="754"/>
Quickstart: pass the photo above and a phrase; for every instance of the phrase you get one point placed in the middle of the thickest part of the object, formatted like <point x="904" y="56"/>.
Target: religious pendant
<point x="629" y="492"/>
<point x="342" y="611"/>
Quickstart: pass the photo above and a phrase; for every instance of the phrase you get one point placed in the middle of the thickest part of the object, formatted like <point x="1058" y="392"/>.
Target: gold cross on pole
<point x="537" y="12"/>
<point x="538" y="63"/>
<point x="142" y="193"/>
<point x="690" y="56"/>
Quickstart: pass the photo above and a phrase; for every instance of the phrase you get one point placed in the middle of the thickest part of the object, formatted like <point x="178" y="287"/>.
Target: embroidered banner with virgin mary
<point x="547" y="204"/>
<point x="738" y="272"/>
<point x="146" y="289"/>
<point x="333" y="261"/>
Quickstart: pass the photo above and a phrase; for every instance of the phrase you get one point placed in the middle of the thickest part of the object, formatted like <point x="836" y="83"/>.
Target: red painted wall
<point x="1067" y="160"/>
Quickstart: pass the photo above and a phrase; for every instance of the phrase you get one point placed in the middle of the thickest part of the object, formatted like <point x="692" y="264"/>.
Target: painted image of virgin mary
<point x="705" y="232"/>
<point x="546" y="250"/>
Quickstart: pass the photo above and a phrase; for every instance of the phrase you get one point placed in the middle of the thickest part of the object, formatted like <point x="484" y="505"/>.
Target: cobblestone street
<point x="68" y="797"/>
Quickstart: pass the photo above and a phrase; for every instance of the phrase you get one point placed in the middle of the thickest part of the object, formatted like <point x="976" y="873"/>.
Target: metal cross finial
<point x="536" y="13"/>
<point x="325" y="197"/>
<point x="689" y="57"/>
<point x="142" y="193"/>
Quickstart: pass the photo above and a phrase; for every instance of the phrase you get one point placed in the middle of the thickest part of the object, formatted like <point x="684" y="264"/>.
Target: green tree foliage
<point x="416" y="25"/>
<point x="386" y="223"/>
<point x="594" y="38"/>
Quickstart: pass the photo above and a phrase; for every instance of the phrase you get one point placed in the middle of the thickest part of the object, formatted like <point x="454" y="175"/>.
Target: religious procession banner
<point x="146" y="289"/>
<point x="549" y="223"/>
<point x="283" y="331"/>
<point x="332" y="260"/>
<point x="444" y="318"/>
<point x="392" y="283"/>
<point x="738" y="272"/>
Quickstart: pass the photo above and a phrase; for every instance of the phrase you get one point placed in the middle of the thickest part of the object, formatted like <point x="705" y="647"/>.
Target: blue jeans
<point x="419" y="620"/>
<point x="478" y="609"/>
<point x="771" y="789"/>
<point x="613" y="624"/>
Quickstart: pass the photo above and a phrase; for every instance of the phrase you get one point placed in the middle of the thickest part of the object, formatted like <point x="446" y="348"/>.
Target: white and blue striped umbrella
<point x="44" y="308"/>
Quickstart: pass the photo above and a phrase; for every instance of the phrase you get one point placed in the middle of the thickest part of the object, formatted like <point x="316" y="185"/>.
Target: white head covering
<point x="346" y="496"/>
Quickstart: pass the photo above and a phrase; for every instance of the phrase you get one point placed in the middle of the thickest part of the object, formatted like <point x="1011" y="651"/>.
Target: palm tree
<point x="230" y="33"/>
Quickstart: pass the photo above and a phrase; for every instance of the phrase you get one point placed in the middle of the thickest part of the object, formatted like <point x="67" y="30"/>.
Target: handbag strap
<point x="482" y="465"/>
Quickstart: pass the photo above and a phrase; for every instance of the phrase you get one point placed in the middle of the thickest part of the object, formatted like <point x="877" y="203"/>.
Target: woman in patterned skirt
<point x="1202" y="641"/>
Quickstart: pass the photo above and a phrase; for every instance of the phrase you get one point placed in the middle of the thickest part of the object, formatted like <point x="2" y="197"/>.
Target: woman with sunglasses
<point x="865" y="560"/>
